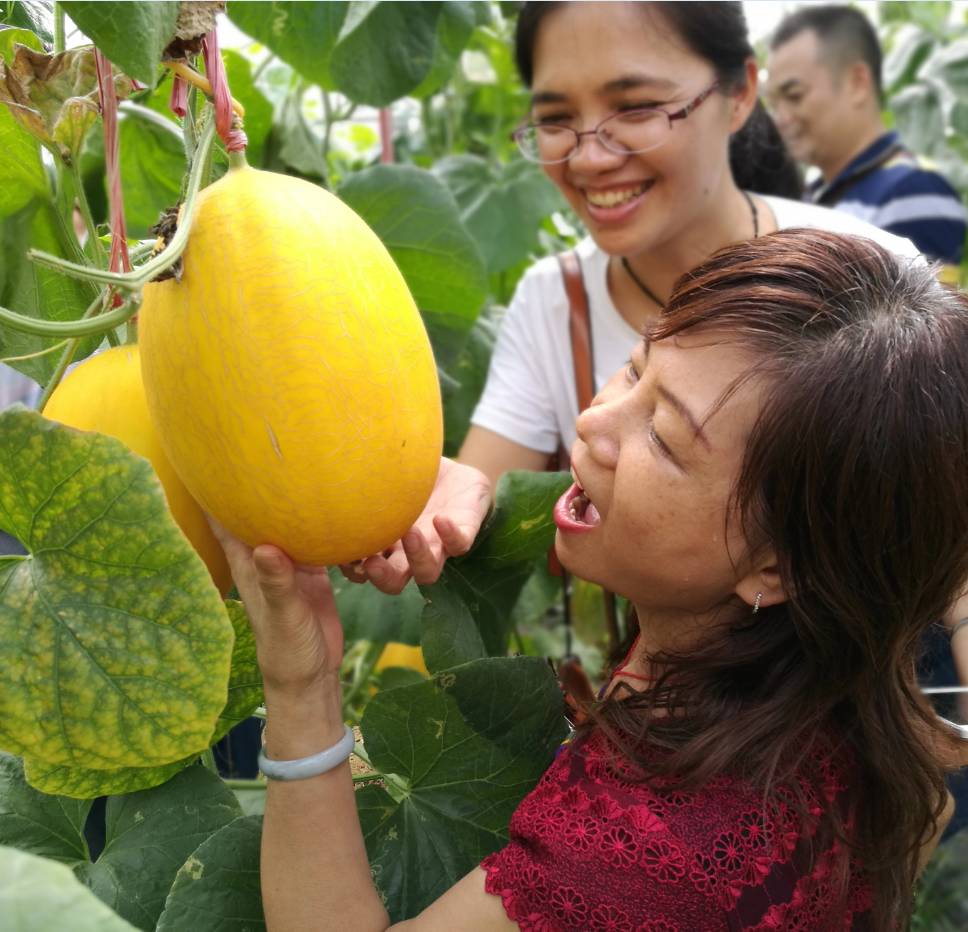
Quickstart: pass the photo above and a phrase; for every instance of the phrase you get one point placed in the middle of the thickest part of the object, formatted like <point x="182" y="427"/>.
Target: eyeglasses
<point x="627" y="132"/>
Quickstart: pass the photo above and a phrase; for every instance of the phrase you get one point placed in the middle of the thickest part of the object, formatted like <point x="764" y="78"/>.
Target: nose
<point x="597" y="427"/>
<point x="592" y="156"/>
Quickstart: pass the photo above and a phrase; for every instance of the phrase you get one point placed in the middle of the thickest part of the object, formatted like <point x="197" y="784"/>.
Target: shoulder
<point x="913" y="174"/>
<point x="800" y="214"/>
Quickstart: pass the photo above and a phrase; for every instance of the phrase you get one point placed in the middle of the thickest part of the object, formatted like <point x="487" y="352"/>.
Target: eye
<point x="657" y="440"/>
<point x="546" y="118"/>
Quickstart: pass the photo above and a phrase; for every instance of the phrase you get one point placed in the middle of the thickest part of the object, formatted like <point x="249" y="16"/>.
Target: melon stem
<point x="237" y="160"/>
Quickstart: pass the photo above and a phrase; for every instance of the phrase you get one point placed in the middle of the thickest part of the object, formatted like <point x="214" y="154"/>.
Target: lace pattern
<point x="592" y="849"/>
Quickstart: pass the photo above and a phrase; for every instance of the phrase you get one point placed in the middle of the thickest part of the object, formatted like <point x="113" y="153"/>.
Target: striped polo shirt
<point x="892" y="188"/>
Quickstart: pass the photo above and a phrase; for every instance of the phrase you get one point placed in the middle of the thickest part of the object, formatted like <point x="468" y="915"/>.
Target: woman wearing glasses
<point x="776" y="482"/>
<point x="633" y="109"/>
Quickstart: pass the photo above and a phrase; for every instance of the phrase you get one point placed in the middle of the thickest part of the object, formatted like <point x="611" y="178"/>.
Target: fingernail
<point x="378" y="574"/>
<point x="410" y="540"/>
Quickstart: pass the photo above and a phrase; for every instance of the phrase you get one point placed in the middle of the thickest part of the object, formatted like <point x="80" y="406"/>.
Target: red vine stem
<point x="225" y="125"/>
<point x="108" y="98"/>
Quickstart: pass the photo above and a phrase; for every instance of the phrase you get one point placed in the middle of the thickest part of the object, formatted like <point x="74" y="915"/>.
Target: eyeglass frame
<point x="680" y="114"/>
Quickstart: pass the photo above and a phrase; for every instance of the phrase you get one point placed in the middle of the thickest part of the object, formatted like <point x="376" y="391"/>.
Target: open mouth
<point x="575" y="511"/>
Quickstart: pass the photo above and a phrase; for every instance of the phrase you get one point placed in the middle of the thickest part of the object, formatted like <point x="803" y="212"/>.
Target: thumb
<point x="276" y="577"/>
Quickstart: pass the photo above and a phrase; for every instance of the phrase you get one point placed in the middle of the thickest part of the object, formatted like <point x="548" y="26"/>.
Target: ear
<point x="743" y="100"/>
<point x="763" y="579"/>
<point x="859" y="84"/>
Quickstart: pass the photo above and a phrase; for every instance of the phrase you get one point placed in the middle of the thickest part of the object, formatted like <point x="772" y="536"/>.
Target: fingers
<point x="455" y="539"/>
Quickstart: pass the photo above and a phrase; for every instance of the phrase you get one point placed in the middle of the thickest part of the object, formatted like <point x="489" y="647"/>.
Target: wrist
<point x="300" y="723"/>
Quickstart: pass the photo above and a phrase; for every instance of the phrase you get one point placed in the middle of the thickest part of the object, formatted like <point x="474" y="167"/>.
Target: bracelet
<point x="957" y="626"/>
<point x="304" y="767"/>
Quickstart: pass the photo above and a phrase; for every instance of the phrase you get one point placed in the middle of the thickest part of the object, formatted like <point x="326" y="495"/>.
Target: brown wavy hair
<point x="856" y="473"/>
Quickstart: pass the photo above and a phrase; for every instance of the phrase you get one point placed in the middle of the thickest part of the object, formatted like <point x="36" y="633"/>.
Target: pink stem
<point x="108" y="99"/>
<point x="235" y="139"/>
<point x="386" y="137"/>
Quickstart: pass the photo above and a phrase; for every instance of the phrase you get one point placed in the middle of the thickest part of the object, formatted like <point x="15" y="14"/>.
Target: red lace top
<point x="591" y="849"/>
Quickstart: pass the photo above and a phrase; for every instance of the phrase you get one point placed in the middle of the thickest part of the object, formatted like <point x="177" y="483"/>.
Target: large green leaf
<point x="148" y="835"/>
<point x="501" y="205"/>
<point x="152" y="167"/>
<point x="919" y="116"/>
<point x="114" y="643"/>
<point x="20" y="166"/>
<point x="465" y="380"/>
<point x="244" y="696"/>
<point x="37" y="895"/>
<point x="48" y="826"/>
<point x="369" y="615"/>
<point x="301" y="34"/>
<point x="217" y="889"/>
<point x="39" y="292"/>
<point x="132" y="35"/>
<point x="520" y="531"/>
<point x="417" y="219"/>
<point x="35" y="15"/>
<point x="385" y="50"/>
<point x="449" y="635"/>
<point x="454" y="27"/>
<point x="453" y="789"/>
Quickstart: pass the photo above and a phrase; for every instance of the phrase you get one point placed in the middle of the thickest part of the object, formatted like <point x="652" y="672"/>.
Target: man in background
<point x="825" y="91"/>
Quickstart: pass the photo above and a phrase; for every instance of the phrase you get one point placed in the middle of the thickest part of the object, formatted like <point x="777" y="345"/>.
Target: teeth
<point x="613" y="198"/>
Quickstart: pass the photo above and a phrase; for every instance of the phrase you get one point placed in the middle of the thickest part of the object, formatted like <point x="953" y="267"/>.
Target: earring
<point x="756" y="602"/>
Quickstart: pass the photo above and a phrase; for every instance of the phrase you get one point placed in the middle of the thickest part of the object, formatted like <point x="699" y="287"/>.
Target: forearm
<point x="315" y="873"/>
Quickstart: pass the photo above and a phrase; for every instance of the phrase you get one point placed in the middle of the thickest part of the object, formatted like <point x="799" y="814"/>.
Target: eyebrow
<point x="681" y="408"/>
<point x="625" y="82"/>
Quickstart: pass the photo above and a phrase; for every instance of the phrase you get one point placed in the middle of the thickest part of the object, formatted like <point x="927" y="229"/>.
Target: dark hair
<point x="718" y="33"/>
<point x="845" y="35"/>
<point x="855" y="474"/>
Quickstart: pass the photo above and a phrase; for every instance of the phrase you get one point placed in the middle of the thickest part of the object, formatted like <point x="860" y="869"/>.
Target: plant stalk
<point x="134" y="280"/>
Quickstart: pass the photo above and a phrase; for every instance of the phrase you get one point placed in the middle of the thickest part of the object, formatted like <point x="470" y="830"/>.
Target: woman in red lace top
<point x="777" y="483"/>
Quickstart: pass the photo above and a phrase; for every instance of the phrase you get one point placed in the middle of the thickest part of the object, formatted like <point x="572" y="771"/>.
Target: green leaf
<point x="465" y="379"/>
<point x="37" y="895"/>
<point x="35" y="15"/>
<point x="370" y="615"/>
<point x="132" y="35"/>
<point x="258" y="110"/>
<point x="48" y="826"/>
<point x="114" y="643"/>
<point x="385" y="50"/>
<point x="20" y="166"/>
<point x="301" y="34"/>
<point x="908" y="52"/>
<point x="245" y="681"/>
<point x="454" y="28"/>
<point x="416" y="217"/>
<point x="38" y="292"/>
<point x="919" y="117"/>
<point x="502" y="206"/>
<point x="85" y="783"/>
<point x="455" y="788"/>
<point x="244" y="697"/>
<point x="217" y="888"/>
<point x="520" y="531"/>
<point x="148" y="837"/>
<point x="449" y="633"/>
<point x="152" y="167"/>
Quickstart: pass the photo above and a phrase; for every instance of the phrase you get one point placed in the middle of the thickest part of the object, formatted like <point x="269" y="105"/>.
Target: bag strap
<point x="579" y="328"/>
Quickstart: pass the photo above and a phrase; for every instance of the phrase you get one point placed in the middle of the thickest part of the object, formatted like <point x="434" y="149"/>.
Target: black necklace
<point x="647" y="291"/>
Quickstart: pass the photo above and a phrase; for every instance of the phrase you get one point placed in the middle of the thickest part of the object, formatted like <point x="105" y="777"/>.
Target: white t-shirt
<point x="529" y="396"/>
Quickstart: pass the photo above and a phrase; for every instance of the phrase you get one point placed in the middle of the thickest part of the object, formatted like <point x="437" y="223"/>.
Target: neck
<point x="725" y="220"/>
<point x="662" y="631"/>
<point x="872" y="131"/>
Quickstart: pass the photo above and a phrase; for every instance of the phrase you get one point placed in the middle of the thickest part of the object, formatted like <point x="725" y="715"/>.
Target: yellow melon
<point x="104" y="393"/>
<point x="396" y="654"/>
<point x="289" y="374"/>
